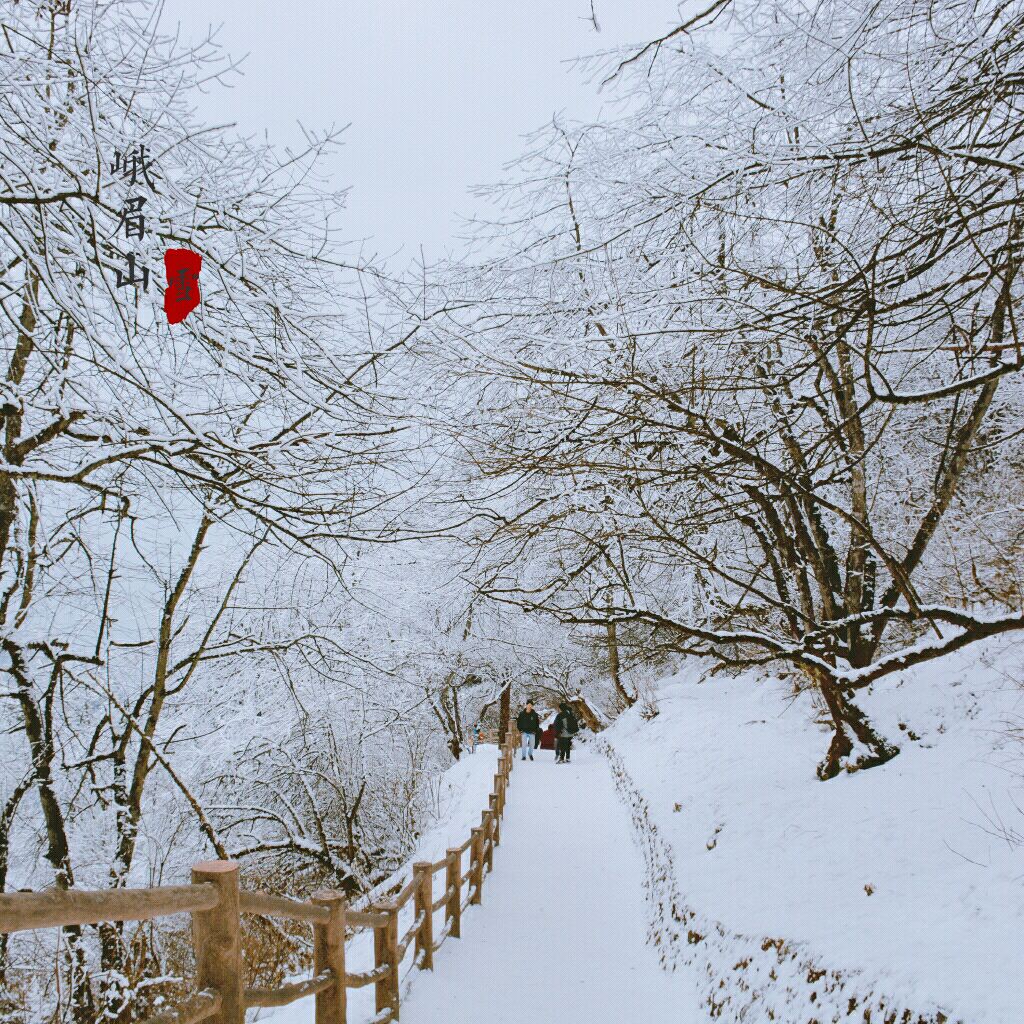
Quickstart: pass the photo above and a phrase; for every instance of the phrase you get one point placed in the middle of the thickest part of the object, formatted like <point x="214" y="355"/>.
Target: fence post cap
<point x="215" y="867"/>
<point x="328" y="896"/>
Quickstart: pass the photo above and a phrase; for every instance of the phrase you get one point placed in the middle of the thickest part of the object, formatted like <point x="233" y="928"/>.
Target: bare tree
<point x="750" y="346"/>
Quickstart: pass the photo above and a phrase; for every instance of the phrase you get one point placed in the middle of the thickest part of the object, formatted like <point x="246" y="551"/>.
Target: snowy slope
<point x="460" y="798"/>
<point x="893" y="874"/>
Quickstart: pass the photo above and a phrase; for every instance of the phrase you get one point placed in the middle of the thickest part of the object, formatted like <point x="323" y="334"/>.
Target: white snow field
<point x="906" y="878"/>
<point x="560" y="937"/>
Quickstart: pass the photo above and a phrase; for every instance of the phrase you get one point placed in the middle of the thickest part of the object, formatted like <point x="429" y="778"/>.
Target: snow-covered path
<point x="560" y="935"/>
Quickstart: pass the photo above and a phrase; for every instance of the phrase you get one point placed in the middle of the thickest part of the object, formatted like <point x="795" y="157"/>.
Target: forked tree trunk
<point x="848" y="719"/>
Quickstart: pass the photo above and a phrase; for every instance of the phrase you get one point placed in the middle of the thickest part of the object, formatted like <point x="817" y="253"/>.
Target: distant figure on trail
<point x="528" y="723"/>
<point x="476" y="736"/>
<point x="566" y="727"/>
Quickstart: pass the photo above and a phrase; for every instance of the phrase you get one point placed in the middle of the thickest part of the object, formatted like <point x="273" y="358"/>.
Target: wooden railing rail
<point x="403" y="897"/>
<point x="25" y="911"/>
<point x="367" y="977"/>
<point x="191" y="1010"/>
<point x="364" y="919"/>
<point x="216" y="903"/>
<point x="289" y="993"/>
<point x="266" y="905"/>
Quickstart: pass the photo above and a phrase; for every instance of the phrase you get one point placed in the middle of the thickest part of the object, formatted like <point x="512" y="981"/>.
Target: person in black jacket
<point x="528" y="723"/>
<point x="566" y="727"/>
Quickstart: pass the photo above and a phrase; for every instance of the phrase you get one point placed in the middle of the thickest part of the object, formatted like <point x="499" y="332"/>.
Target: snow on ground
<point x="460" y="798"/>
<point x="560" y="937"/>
<point x="893" y="872"/>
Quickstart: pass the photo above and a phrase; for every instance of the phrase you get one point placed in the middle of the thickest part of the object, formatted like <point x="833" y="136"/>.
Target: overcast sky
<point x="437" y="92"/>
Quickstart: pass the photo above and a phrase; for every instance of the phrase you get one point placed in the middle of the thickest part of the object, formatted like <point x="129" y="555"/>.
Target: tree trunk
<point x="7" y="1006"/>
<point x="504" y="711"/>
<point x="845" y="716"/>
<point x="613" y="665"/>
<point x="36" y="726"/>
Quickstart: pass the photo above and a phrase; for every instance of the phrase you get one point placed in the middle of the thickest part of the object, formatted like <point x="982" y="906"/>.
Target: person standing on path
<point x="566" y="727"/>
<point x="528" y="723"/>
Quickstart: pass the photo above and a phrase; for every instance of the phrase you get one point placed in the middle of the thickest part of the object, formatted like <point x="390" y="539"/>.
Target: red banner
<point x="182" y="295"/>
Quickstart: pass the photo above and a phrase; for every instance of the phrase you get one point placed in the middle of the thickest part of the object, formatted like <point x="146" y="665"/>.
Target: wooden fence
<point x="216" y="903"/>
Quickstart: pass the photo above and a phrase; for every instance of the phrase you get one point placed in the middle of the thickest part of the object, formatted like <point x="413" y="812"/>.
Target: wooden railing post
<point x="512" y="739"/>
<point x="453" y="886"/>
<point x="385" y="948"/>
<point x="329" y="955"/>
<point x="495" y="819"/>
<point x="476" y="865"/>
<point x="217" y="940"/>
<point x="423" y="875"/>
<point x="487" y="848"/>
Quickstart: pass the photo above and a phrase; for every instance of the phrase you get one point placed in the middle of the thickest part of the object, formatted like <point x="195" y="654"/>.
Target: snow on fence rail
<point x="216" y="903"/>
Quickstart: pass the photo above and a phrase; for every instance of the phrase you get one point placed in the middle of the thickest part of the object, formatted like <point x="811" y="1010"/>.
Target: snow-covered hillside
<point x="901" y="879"/>
<point x="458" y="797"/>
